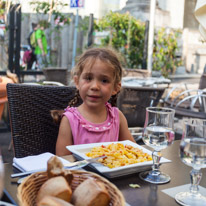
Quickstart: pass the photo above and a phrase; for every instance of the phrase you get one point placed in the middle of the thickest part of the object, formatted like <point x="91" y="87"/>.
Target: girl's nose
<point x="95" y="84"/>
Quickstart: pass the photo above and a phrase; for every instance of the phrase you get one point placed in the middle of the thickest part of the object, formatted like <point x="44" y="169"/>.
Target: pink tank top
<point x="85" y="132"/>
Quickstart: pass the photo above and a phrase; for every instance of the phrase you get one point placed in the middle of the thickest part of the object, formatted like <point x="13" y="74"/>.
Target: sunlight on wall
<point x="98" y="7"/>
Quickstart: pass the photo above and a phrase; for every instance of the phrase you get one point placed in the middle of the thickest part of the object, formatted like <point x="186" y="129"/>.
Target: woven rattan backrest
<point x="33" y="129"/>
<point x="133" y="102"/>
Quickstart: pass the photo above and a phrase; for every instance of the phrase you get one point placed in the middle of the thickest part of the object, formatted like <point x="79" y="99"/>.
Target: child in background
<point x="97" y="77"/>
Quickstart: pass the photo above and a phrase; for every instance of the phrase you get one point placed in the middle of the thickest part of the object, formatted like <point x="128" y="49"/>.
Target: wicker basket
<point x="28" y="189"/>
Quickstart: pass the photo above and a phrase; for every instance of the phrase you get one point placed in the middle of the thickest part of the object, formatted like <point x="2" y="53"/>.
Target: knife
<point x="78" y="164"/>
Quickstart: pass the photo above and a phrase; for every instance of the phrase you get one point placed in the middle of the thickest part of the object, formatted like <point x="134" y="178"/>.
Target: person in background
<point x="97" y="77"/>
<point x="32" y="43"/>
<point x="41" y="48"/>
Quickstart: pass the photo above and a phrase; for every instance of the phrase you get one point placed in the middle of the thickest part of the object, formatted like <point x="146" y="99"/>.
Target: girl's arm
<point x="124" y="133"/>
<point x="64" y="138"/>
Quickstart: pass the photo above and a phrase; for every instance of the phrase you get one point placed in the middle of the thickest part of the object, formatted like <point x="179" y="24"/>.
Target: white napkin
<point x="200" y="14"/>
<point x="182" y="188"/>
<point x="34" y="163"/>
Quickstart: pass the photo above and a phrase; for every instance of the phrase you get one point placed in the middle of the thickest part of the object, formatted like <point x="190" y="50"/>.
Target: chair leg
<point x="10" y="145"/>
<point x="1" y="110"/>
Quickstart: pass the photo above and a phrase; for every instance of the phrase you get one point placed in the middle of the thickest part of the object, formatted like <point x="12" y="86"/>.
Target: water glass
<point x="158" y="133"/>
<point x="193" y="154"/>
<point x="1" y="175"/>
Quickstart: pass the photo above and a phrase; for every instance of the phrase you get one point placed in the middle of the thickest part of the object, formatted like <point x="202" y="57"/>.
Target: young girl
<point x="97" y="77"/>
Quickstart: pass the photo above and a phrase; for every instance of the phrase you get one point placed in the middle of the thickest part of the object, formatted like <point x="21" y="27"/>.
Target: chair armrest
<point x="173" y="89"/>
<point x="53" y="83"/>
<point x="193" y="98"/>
<point x="183" y="93"/>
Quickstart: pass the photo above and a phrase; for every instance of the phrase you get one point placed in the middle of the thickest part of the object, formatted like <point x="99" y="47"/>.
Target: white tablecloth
<point x="148" y="81"/>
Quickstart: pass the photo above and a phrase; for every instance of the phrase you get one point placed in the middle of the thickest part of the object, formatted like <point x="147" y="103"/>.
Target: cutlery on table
<point x="78" y="164"/>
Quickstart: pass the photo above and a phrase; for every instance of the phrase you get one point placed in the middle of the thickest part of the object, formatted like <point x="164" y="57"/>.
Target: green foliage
<point x="165" y="51"/>
<point x="44" y="23"/>
<point x="127" y="37"/>
<point x="2" y="7"/>
<point x="54" y="7"/>
<point x="84" y="24"/>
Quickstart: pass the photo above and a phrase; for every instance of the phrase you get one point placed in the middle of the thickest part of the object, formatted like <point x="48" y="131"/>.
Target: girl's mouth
<point x="93" y="97"/>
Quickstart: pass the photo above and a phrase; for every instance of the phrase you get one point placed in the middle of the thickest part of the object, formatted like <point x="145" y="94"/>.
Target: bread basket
<point x="28" y="189"/>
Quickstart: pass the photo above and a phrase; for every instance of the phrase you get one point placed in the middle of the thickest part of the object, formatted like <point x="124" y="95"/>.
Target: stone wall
<point x="140" y="9"/>
<point x="189" y="18"/>
<point x="194" y="51"/>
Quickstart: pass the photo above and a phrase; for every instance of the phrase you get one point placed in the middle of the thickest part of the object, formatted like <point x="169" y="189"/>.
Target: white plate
<point x="5" y="203"/>
<point x="79" y="152"/>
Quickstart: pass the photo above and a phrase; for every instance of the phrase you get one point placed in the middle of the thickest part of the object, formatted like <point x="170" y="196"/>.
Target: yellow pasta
<point x="119" y="155"/>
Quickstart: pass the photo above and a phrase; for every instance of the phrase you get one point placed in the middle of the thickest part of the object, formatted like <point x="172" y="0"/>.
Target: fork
<point x="83" y="163"/>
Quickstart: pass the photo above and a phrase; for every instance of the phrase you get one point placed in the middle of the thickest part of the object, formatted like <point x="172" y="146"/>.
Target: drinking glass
<point x="193" y="154"/>
<point x="1" y="175"/>
<point x="157" y="133"/>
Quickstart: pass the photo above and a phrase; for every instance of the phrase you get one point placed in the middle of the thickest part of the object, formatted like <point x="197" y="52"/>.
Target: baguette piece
<point x="57" y="187"/>
<point x="53" y="201"/>
<point x="56" y="168"/>
<point x="90" y="193"/>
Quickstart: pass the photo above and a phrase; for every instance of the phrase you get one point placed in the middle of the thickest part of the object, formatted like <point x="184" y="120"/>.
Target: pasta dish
<point x="119" y="155"/>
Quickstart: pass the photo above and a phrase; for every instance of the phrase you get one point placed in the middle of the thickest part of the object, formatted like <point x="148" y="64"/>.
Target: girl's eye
<point x="105" y="81"/>
<point x="88" y="78"/>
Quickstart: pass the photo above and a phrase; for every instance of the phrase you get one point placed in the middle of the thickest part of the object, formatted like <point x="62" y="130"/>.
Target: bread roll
<point x="53" y="201"/>
<point x="90" y="193"/>
<point x="56" y="168"/>
<point x="57" y="187"/>
<point x="68" y="176"/>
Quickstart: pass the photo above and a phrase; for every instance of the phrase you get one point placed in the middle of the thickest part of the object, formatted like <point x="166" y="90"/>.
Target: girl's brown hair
<point x="88" y="58"/>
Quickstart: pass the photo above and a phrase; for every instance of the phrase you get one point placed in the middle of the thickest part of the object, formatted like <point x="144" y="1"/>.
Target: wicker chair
<point x="32" y="127"/>
<point x="132" y="101"/>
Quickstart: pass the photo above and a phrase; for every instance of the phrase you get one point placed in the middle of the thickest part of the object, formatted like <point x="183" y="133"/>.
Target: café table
<point x="145" y="82"/>
<point x="138" y="93"/>
<point x="148" y="194"/>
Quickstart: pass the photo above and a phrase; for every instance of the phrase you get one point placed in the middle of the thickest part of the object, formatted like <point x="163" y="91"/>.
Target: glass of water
<point x="193" y="154"/>
<point x="158" y="133"/>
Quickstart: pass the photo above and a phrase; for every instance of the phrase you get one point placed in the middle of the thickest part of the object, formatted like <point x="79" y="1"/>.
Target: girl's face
<point x="96" y="84"/>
